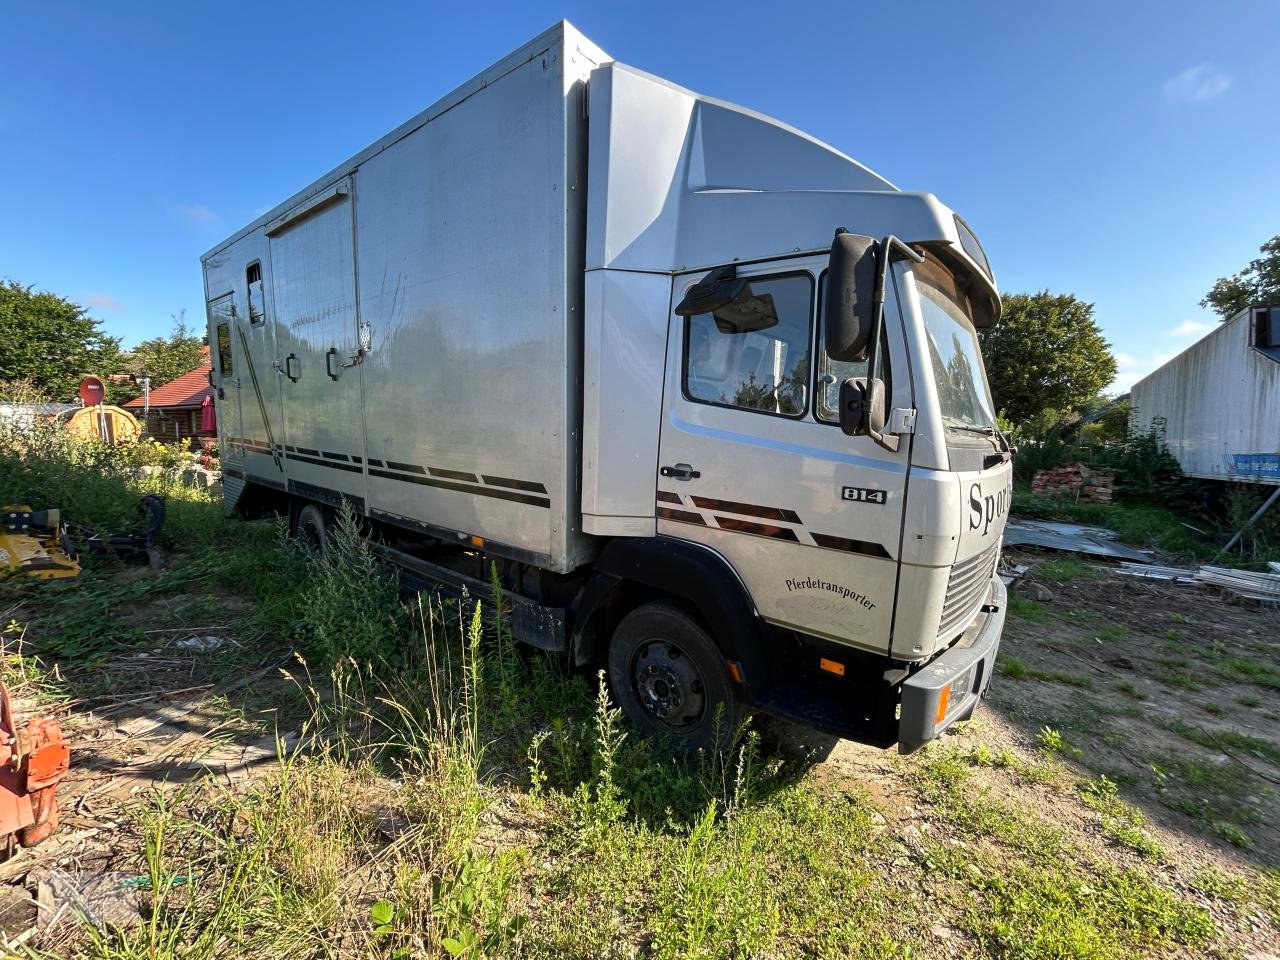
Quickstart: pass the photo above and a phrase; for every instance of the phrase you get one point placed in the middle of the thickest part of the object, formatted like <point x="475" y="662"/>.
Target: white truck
<point x="705" y="390"/>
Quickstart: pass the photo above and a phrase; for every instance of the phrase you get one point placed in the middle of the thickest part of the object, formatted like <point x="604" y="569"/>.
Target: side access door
<point x="753" y="464"/>
<point x="320" y="346"/>
<point x="226" y="383"/>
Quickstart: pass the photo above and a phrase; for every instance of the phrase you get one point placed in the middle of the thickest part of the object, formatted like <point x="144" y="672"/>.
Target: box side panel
<point x="461" y="240"/>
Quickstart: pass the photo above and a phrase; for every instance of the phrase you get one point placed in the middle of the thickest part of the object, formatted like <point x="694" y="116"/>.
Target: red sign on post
<point x="92" y="392"/>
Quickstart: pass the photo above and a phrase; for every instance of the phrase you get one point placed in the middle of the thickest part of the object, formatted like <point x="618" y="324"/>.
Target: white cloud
<point x="103" y="301"/>
<point x="1198" y="84"/>
<point x="1190" y="328"/>
<point x="196" y="214"/>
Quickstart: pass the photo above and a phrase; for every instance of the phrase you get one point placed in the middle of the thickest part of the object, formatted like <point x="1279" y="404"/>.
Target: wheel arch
<point x="630" y="572"/>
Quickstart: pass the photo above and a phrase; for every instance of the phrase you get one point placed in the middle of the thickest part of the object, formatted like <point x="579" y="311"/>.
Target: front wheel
<point x="670" y="678"/>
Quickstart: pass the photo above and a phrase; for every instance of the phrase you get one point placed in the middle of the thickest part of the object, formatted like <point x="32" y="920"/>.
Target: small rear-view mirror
<point x="747" y="314"/>
<point x="862" y="406"/>
<point x="717" y="289"/>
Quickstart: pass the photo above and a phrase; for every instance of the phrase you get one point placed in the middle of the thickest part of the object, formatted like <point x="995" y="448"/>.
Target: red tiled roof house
<point x="175" y="407"/>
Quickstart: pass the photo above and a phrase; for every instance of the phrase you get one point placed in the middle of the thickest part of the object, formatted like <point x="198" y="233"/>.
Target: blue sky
<point x="1125" y="152"/>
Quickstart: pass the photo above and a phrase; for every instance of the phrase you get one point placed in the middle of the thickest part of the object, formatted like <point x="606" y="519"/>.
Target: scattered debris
<point x="1011" y="575"/>
<point x="204" y="644"/>
<point x="1071" y="537"/>
<point x="1252" y="586"/>
<point x="1035" y="591"/>
<point x="1151" y="571"/>
<point x="1077" y="480"/>
<point x="103" y="899"/>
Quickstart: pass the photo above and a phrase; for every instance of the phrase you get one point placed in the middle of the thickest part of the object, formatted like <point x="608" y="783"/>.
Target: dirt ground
<point x="1170" y="692"/>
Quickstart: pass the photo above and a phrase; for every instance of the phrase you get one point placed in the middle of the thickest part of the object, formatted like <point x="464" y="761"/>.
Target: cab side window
<point x="832" y="373"/>
<point x="755" y="354"/>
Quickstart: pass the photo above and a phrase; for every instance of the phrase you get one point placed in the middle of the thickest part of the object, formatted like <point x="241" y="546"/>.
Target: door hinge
<point x="902" y="420"/>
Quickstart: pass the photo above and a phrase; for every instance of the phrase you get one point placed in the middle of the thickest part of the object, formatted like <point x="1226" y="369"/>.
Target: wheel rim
<point x="668" y="684"/>
<point x="309" y="534"/>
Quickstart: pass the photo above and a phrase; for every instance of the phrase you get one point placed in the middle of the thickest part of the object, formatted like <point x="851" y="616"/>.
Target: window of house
<point x="257" y="308"/>
<point x="832" y="373"/>
<point x="224" y="349"/>
<point x="763" y="369"/>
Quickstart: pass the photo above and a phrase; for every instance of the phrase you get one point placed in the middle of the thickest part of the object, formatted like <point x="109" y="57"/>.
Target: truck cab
<point x="866" y="552"/>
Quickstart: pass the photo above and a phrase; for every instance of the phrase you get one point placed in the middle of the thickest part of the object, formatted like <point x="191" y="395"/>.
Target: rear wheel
<point x="670" y="678"/>
<point x="311" y="529"/>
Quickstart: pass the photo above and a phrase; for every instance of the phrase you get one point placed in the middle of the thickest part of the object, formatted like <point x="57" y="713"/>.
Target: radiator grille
<point x="967" y="588"/>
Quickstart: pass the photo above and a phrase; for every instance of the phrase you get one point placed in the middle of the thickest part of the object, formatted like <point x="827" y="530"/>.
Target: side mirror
<point x="862" y="407"/>
<point x="850" y="309"/>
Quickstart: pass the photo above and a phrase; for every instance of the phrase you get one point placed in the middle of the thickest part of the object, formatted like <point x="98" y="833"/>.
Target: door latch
<point x="681" y="471"/>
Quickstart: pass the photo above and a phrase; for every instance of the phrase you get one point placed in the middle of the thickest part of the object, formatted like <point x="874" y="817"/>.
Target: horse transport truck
<point x="703" y="390"/>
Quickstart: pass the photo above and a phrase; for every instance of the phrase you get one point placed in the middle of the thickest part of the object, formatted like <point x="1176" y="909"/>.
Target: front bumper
<point x="948" y="687"/>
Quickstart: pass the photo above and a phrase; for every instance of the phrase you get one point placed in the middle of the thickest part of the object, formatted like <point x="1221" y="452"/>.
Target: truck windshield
<point x="953" y="350"/>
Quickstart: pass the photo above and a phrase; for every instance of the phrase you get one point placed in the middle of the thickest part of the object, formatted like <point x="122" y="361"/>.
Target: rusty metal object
<point x="33" y="759"/>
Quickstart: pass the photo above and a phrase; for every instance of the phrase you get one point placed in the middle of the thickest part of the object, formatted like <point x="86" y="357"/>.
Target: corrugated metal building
<point x="1220" y="400"/>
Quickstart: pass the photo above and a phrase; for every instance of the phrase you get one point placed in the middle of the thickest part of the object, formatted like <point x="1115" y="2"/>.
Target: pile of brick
<point x="1077" y="480"/>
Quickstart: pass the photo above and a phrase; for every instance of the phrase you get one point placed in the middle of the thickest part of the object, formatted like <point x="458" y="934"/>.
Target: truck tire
<point x="311" y="529"/>
<point x="670" y="678"/>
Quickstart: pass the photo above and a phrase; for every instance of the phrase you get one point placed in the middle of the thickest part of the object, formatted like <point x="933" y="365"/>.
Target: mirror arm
<point x="891" y="248"/>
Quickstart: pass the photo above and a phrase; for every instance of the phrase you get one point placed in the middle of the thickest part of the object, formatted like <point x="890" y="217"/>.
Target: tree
<point x="1045" y="353"/>
<point x="1257" y="285"/>
<point x="166" y="358"/>
<point x="51" y="342"/>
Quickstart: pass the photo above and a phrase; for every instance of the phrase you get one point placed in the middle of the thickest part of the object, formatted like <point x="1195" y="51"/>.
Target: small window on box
<point x="257" y="308"/>
<point x="1266" y="327"/>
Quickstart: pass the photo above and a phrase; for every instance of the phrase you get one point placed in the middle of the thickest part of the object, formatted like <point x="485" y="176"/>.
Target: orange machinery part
<point x="33" y="760"/>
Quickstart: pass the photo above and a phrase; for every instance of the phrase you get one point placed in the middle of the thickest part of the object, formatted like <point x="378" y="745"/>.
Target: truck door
<point x="753" y="464"/>
<point x="319" y="346"/>
<point x="226" y="380"/>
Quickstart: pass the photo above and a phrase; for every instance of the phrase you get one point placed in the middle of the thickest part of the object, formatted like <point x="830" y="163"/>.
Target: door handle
<point x="288" y="367"/>
<point x="681" y="471"/>
<point x="328" y="362"/>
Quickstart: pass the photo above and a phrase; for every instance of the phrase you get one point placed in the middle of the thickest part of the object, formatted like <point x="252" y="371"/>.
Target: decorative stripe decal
<point x="665" y="496"/>
<point x="853" y="546"/>
<point x="406" y="467"/>
<point x="324" y="463"/>
<point x="462" y="488"/>
<point x="334" y="456"/>
<point x="681" y="516"/>
<point x="514" y="484"/>
<point x="454" y="475"/>
<point x="374" y="463"/>
<point x="759" y="529"/>
<point x="309" y="452"/>
<point x="748" y="509"/>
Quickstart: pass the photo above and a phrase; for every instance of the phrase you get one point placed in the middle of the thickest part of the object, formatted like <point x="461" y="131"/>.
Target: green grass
<point x="533" y="823"/>
<point x="1245" y="670"/>
<point x="1064" y="569"/>
<point x="1130" y="689"/>
<point x="1015" y="669"/>
<point x="1031" y="893"/>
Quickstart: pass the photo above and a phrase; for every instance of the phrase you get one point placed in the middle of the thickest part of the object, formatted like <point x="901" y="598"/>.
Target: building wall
<point x="169" y="426"/>
<point x="1219" y="399"/>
